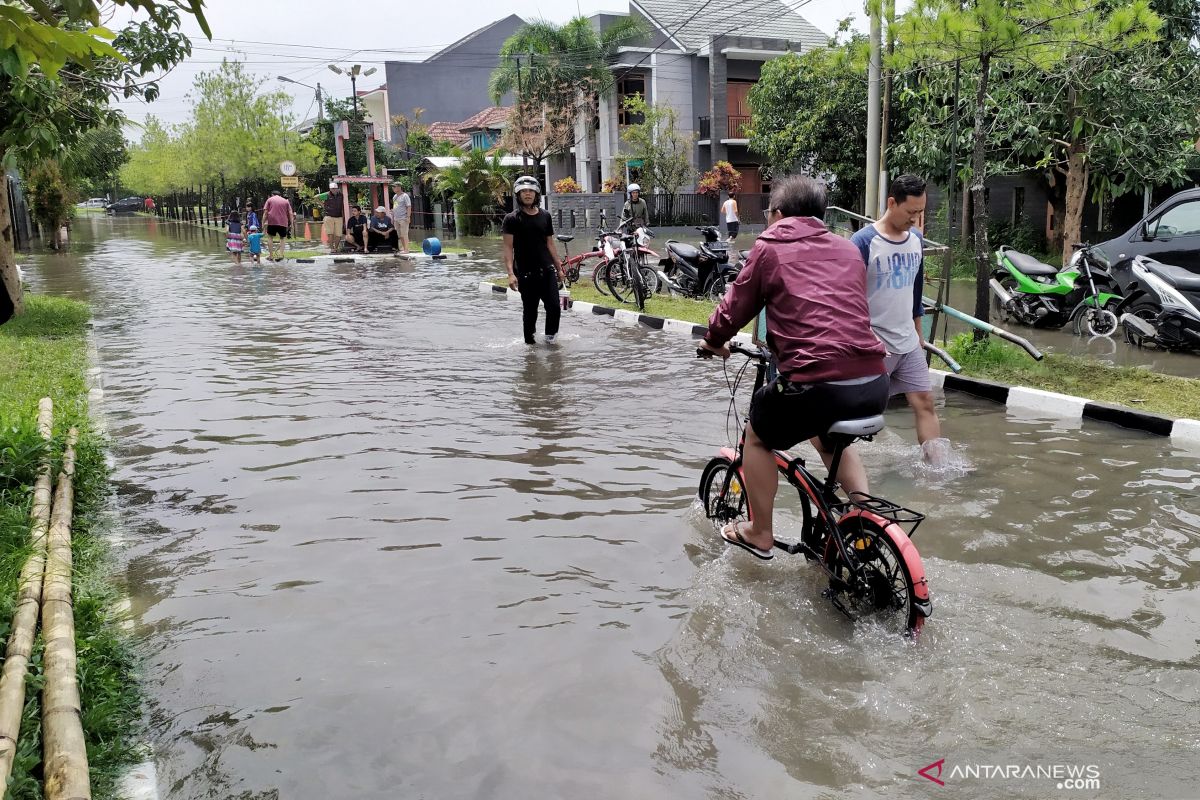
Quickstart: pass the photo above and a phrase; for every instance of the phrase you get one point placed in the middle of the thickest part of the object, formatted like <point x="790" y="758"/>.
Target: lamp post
<point x="317" y="89"/>
<point x="353" y="72"/>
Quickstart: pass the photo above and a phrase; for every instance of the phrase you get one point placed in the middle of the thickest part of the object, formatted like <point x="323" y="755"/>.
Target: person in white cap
<point x="381" y="232"/>
<point x="333" y="227"/>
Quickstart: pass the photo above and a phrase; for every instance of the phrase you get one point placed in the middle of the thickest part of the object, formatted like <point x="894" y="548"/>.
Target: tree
<point x="537" y="132"/>
<point x="58" y="70"/>
<point x="93" y="164"/>
<point x="721" y="178"/>
<point x="808" y="113"/>
<point x="1002" y="35"/>
<point x="557" y="72"/>
<point x="657" y="143"/>
<point x="50" y="197"/>
<point x="477" y="183"/>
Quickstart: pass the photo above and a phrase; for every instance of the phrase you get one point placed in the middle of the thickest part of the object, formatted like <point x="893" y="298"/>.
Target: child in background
<point x="234" y="237"/>
<point x="255" y="240"/>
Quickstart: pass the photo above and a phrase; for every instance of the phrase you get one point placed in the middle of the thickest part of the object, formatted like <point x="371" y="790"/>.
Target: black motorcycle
<point x="1161" y="306"/>
<point x="697" y="272"/>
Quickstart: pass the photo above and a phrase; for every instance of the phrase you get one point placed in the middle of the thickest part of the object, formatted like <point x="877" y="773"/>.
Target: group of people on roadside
<point x="242" y="233"/>
<point x="378" y="231"/>
<point x="843" y="320"/>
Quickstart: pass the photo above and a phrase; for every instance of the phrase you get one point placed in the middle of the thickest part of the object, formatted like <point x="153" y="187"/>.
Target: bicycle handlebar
<point x="734" y="347"/>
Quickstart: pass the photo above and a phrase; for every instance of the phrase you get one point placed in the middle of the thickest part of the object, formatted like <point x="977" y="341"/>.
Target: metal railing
<point x="738" y="128"/>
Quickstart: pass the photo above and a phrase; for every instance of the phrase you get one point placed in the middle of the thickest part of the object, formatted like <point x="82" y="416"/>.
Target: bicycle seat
<point x="562" y="237"/>
<point x="866" y="426"/>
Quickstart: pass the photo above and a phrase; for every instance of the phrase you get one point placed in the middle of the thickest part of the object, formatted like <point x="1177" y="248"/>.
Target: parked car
<point x="1169" y="234"/>
<point x="95" y="202"/>
<point x="125" y="205"/>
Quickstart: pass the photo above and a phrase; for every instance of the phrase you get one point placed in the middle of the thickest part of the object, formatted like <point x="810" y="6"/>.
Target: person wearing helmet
<point x="635" y="209"/>
<point x="534" y="269"/>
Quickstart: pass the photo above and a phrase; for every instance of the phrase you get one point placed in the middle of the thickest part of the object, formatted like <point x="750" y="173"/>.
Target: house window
<point x="628" y="87"/>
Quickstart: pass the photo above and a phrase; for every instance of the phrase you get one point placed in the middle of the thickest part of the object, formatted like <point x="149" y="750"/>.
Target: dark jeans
<point x="535" y="287"/>
<point x="377" y="239"/>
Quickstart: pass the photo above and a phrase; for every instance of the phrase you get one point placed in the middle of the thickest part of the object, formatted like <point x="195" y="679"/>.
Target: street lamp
<point x="353" y="72"/>
<point x="317" y="88"/>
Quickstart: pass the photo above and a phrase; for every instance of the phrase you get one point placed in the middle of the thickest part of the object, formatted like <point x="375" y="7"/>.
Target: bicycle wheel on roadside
<point x="722" y="494"/>
<point x="617" y="280"/>
<point x="886" y="592"/>
<point x="599" y="280"/>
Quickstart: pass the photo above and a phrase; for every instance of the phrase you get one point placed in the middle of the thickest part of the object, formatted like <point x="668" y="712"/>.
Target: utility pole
<point x="320" y="104"/>
<point x="885" y="113"/>
<point x="874" y="76"/>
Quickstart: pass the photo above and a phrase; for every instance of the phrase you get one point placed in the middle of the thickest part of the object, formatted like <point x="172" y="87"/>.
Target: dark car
<point x="1170" y="234"/>
<point x="125" y="205"/>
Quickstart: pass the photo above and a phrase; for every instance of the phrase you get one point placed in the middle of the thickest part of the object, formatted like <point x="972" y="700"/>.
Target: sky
<point x="302" y="40"/>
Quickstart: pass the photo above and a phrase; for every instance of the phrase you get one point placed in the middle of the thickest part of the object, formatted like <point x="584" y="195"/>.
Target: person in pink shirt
<point x="278" y="215"/>
<point x="814" y="289"/>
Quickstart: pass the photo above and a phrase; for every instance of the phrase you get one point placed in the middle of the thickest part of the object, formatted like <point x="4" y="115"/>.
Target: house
<point x="701" y="61"/>
<point x="485" y="128"/>
<point x="375" y="108"/>
<point x="452" y="83"/>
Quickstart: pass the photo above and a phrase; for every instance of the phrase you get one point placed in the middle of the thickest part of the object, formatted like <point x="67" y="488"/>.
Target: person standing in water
<point x="534" y="268"/>
<point x="729" y="210"/>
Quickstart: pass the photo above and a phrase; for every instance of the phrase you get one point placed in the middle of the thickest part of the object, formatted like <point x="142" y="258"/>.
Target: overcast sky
<point x="299" y="38"/>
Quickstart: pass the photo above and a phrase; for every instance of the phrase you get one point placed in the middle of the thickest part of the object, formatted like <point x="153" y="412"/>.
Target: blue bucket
<point x="431" y="246"/>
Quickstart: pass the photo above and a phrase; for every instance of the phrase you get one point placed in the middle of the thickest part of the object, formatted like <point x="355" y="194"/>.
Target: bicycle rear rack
<point x="904" y="517"/>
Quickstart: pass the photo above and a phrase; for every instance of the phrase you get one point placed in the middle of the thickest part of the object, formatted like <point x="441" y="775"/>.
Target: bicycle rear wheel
<point x="721" y="492"/>
<point x="598" y="277"/>
<point x="886" y="592"/>
<point x="617" y="279"/>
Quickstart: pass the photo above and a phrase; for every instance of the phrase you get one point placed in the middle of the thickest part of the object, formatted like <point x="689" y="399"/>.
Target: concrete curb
<point x="140" y="782"/>
<point x="1183" y="432"/>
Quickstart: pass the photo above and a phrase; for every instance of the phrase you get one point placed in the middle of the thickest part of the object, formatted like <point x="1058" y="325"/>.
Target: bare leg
<point x="928" y="426"/>
<point x="852" y="475"/>
<point x="762" y="480"/>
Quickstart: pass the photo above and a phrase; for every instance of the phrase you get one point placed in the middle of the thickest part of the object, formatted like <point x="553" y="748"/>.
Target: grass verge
<point x="43" y="353"/>
<point x="1134" y="387"/>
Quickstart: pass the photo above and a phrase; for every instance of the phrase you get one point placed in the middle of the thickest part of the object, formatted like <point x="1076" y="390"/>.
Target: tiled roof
<point x="766" y="18"/>
<point x="446" y="132"/>
<point x="380" y="88"/>
<point x="489" y="119"/>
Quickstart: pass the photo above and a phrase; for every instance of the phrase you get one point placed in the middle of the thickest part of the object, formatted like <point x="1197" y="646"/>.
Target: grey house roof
<point x="450" y="48"/>
<point x="770" y="19"/>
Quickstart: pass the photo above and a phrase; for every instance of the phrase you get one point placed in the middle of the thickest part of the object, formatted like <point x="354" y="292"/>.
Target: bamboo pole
<point x="64" y="753"/>
<point x="29" y="600"/>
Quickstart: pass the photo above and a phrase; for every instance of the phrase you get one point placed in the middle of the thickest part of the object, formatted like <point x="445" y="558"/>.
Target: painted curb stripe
<point x="651" y="322"/>
<point x="499" y="289"/>
<point x="603" y="311"/>
<point x="1065" y="405"/>
<point x="976" y="386"/>
<point x="1186" y="432"/>
<point x="699" y="331"/>
<point x="1129" y="418"/>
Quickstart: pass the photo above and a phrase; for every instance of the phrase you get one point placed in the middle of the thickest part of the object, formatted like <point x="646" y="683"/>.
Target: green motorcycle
<point x="1033" y="293"/>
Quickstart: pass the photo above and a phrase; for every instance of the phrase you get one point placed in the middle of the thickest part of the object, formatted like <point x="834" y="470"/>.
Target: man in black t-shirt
<point x="532" y="259"/>
<point x="355" y="227"/>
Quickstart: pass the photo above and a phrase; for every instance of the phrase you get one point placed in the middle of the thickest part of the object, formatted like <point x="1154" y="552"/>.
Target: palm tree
<point x="560" y="69"/>
<point x="478" y="182"/>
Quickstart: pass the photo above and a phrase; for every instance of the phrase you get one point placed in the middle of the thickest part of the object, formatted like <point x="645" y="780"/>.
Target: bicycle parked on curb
<point x="627" y="276"/>
<point x="858" y="541"/>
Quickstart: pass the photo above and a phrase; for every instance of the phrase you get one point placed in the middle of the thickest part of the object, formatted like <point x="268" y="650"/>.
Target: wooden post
<point x="29" y="601"/>
<point x="64" y="752"/>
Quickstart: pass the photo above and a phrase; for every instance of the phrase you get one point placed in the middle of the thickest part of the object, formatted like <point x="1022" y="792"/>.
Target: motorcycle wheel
<point x="1143" y="309"/>
<point x="1095" y="322"/>
<point x="717" y="290"/>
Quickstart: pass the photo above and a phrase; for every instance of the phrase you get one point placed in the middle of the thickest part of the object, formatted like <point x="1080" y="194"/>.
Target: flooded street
<point x="380" y="548"/>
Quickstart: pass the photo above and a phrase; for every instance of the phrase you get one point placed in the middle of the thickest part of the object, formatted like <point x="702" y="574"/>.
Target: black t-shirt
<point x="530" y="232"/>
<point x="355" y="224"/>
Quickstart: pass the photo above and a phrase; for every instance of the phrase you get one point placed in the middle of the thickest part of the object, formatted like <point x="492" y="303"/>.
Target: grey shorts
<point x="908" y="372"/>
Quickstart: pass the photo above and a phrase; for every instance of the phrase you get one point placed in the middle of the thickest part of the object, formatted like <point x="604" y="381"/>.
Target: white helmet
<point x="526" y="182"/>
<point x="633" y="187"/>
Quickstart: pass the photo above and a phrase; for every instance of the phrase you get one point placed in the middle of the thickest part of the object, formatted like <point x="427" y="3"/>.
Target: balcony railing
<point x="736" y="128"/>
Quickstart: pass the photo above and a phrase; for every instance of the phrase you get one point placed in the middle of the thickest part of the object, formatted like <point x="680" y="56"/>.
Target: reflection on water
<point x="382" y="548"/>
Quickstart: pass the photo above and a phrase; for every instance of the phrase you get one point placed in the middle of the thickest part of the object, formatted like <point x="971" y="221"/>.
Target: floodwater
<point x="379" y="548"/>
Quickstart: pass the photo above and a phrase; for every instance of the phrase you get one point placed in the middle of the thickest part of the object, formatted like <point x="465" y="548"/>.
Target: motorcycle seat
<point x="1029" y="265"/>
<point x="1178" y="277"/>
<point x="562" y="237"/>
<point x="684" y="251"/>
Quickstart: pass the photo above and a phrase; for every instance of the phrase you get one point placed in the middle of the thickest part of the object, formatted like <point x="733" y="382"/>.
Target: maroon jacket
<point x="815" y="290"/>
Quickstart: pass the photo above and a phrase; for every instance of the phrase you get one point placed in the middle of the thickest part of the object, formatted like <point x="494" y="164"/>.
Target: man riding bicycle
<point x="831" y="368"/>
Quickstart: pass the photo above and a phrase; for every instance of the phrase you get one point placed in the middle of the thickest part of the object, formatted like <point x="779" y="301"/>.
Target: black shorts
<point x="277" y="230"/>
<point x="782" y="419"/>
<point x="733" y="228"/>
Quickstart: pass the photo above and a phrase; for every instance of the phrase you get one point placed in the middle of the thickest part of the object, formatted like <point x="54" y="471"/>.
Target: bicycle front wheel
<point x="874" y="583"/>
<point x="722" y="493"/>
<point x="617" y="279"/>
<point x="599" y="277"/>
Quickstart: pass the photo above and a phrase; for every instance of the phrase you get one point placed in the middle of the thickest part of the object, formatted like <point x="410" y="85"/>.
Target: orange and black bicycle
<point x="862" y="543"/>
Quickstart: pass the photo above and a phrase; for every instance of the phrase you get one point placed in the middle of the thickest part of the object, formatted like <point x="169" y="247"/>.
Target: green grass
<point x="1134" y="387"/>
<point x="697" y="311"/>
<point x="43" y="352"/>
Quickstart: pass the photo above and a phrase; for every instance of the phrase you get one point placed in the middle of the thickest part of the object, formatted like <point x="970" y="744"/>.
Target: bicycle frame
<point x="831" y="508"/>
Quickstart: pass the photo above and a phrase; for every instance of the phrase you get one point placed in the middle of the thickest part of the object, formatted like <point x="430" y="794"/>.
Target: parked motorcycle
<point x="696" y="272"/>
<point x="1033" y="293"/>
<point x="1161" y="306"/>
